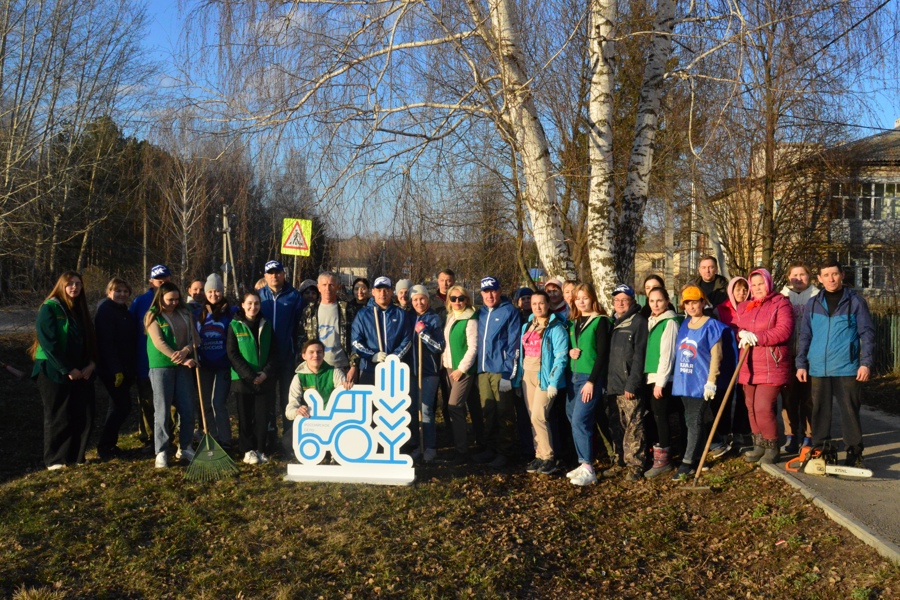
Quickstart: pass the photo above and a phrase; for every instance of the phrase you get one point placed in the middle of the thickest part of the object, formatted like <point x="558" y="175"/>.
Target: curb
<point x="887" y="549"/>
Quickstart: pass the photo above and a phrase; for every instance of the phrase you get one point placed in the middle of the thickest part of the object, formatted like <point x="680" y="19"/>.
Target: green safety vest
<point x="155" y="358"/>
<point x="60" y="314"/>
<point x="459" y="344"/>
<point x="322" y="382"/>
<point x="584" y="364"/>
<point x="257" y="357"/>
<point x="651" y="359"/>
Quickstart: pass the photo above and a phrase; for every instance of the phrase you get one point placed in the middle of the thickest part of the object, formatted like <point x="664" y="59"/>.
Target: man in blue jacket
<point x="159" y="274"/>
<point x="499" y="327"/>
<point x="373" y="343"/>
<point x="282" y="306"/>
<point x="836" y="351"/>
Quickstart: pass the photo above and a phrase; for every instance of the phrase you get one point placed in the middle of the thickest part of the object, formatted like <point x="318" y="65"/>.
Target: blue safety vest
<point x="692" y="354"/>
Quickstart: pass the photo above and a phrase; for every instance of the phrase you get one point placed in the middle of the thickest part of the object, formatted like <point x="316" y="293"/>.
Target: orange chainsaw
<point x="822" y="461"/>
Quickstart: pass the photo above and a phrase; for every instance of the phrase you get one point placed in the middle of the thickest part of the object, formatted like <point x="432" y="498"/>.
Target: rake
<point x="702" y="488"/>
<point x="210" y="462"/>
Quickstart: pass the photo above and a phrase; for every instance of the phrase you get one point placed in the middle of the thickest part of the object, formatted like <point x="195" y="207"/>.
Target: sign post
<point x="296" y="237"/>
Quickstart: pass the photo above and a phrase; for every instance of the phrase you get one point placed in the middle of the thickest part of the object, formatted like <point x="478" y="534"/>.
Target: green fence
<point x="887" y="343"/>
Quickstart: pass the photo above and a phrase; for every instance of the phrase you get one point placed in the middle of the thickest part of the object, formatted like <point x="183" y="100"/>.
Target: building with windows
<point x="841" y="202"/>
<point x="864" y="228"/>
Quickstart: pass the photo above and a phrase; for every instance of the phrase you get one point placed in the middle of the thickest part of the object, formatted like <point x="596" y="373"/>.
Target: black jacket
<point x="719" y="293"/>
<point x="627" y="349"/>
<point x="117" y="335"/>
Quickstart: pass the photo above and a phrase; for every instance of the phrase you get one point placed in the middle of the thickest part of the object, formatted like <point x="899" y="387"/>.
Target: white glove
<point x="709" y="391"/>
<point x="748" y="338"/>
<point x="551" y="392"/>
<point x="379" y="357"/>
<point x="505" y="385"/>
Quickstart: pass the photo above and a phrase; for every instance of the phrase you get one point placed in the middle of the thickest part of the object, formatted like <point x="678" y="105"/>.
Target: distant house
<point x="842" y="202"/>
<point x="864" y="207"/>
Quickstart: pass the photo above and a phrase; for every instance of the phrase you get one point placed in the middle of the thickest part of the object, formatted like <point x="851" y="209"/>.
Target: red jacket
<point x="770" y="361"/>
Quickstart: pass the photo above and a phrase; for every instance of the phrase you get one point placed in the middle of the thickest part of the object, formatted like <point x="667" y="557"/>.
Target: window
<point x="867" y="201"/>
<point x="867" y="269"/>
<point x="658" y="264"/>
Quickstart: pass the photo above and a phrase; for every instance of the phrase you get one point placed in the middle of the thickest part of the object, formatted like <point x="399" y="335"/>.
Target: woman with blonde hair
<point x="63" y="353"/>
<point x="588" y="362"/>
<point x="460" y="354"/>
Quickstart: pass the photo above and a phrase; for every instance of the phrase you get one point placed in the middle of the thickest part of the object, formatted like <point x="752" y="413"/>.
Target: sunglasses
<point x="458" y="298"/>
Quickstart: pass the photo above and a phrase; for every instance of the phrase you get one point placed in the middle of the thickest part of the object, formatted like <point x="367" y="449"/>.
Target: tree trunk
<point x="768" y="216"/>
<point x="531" y="142"/>
<point x="601" y="213"/>
<point x="638" y="183"/>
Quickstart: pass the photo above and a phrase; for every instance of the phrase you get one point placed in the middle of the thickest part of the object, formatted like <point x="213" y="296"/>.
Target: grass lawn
<point x="122" y="529"/>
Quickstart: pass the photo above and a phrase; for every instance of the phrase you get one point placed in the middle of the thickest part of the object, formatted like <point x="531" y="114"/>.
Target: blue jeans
<point x="581" y="416"/>
<point x="429" y="395"/>
<point x="215" y="385"/>
<point x="693" y="419"/>
<point x="172" y="385"/>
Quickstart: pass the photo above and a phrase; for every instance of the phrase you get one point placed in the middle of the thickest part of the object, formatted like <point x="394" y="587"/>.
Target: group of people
<point x="546" y="376"/>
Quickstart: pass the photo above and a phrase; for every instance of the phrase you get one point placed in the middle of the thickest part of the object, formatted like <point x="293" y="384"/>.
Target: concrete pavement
<point x="869" y="508"/>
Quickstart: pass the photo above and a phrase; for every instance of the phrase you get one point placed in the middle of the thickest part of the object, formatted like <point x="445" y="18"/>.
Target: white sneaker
<point x="574" y="472"/>
<point x="178" y="454"/>
<point x="263" y="459"/>
<point x="56" y="467"/>
<point x="430" y="454"/>
<point x="251" y="458"/>
<point x="188" y="454"/>
<point x="585" y="477"/>
<point x="162" y="460"/>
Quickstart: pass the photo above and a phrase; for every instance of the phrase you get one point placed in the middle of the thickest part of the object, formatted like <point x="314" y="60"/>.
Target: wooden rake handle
<point x="712" y="432"/>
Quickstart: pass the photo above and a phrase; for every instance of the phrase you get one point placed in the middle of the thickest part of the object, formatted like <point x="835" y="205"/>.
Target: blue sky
<point x="165" y="23"/>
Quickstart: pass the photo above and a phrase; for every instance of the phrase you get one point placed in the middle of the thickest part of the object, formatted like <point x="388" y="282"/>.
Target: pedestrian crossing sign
<point x="295" y="237"/>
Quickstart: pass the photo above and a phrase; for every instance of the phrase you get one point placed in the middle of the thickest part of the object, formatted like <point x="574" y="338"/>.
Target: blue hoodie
<point x="395" y="333"/>
<point x="836" y="345"/>
<point x="139" y="307"/>
<point x="554" y="354"/>
<point x="498" y="339"/>
<point x="283" y="309"/>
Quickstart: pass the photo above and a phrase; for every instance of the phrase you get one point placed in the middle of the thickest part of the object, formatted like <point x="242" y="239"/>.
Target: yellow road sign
<point x="296" y="237"/>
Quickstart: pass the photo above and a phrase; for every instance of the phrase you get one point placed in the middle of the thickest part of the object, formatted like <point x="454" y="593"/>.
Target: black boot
<point x="752" y="456"/>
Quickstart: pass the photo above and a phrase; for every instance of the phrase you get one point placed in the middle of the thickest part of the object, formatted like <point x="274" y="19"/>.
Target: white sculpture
<point x="363" y="428"/>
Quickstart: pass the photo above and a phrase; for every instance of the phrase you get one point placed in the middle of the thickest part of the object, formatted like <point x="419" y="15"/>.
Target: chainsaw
<point x="822" y="461"/>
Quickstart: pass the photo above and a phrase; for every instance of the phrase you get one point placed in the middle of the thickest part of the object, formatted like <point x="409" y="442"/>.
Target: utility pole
<point x="225" y="230"/>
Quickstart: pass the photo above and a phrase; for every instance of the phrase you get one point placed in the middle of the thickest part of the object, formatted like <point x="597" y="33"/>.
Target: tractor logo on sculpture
<point x="362" y="428"/>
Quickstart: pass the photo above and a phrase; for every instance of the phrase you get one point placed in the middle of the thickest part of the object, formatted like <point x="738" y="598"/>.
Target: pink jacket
<point x="772" y="320"/>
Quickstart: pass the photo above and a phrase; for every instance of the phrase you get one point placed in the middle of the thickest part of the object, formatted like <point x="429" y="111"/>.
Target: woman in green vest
<point x="251" y="350"/>
<point x="63" y="354"/>
<point x="171" y="340"/>
<point x="461" y="336"/>
<point x="588" y="361"/>
<point x="659" y="362"/>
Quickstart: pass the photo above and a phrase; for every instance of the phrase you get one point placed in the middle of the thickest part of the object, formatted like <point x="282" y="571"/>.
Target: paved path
<point x="17" y="320"/>
<point x="870" y="508"/>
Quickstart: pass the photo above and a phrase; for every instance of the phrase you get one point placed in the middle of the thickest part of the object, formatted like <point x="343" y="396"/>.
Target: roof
<point x="881" y="148"/>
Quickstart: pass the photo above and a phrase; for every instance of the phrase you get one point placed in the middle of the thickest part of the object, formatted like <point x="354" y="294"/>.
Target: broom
<point x="210" y="462"/>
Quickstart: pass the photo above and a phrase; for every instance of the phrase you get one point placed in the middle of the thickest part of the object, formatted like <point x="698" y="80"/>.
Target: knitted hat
<point x="306" y="284"/>
<point x="214" y="282"/>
